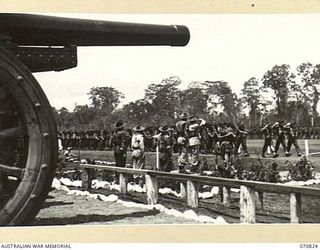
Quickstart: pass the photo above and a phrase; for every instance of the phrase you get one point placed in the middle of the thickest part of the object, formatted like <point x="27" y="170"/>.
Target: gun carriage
<point x="28" y="133"/>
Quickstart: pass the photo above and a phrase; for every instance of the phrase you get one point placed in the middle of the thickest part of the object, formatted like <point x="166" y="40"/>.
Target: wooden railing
<point x="251" y="192"/>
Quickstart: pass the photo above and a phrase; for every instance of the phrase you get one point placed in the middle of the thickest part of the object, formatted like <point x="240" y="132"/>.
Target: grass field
<point x="254" y="147"/>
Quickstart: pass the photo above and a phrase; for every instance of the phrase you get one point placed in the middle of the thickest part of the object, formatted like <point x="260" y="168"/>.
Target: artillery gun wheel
<point x="28" y="143"/>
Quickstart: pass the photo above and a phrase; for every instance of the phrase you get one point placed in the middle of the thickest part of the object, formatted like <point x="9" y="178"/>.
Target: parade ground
<point x="77" y="206"/>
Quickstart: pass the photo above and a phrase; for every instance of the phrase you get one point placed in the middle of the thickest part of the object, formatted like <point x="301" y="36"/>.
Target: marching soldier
<point x="279" y="130"/>
<point x="292" y="137"/>
<point x="182" y="142"/>
<point x="193" y="135"/>
<point x="241" y="139"/>
<point x="267" y="133"/>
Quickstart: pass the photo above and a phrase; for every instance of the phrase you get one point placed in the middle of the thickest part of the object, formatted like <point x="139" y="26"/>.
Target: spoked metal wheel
<point x="28" y="143"/>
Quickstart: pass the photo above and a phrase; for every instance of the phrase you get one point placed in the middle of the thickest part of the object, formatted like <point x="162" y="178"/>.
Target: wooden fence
<point x="251" y="192"/>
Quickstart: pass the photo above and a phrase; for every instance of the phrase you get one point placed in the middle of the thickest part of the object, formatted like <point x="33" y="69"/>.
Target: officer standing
<point x="164" y="142"/>
<point x="119" y="144"/>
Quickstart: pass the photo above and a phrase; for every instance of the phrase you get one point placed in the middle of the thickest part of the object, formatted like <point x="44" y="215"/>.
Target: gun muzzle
<point x="38" y="30"/>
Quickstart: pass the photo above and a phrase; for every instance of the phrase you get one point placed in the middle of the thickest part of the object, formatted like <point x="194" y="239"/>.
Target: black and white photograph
<point x="157" y="119"/>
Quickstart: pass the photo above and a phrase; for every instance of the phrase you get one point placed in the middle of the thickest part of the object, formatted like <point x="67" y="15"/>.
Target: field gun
<point x="28" y="133"/>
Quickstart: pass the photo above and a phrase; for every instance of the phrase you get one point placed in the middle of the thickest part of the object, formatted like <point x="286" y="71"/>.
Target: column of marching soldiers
<point x="189" y="137"/>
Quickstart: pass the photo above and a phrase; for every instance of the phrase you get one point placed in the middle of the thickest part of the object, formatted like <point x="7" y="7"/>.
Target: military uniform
<point x="241" y="139"/>
<point x="292" y="137"/>
<point x="194" y="142"/>
<point x="164" y="140"/>
<point x="280" y="137"/>
<point x="267" y="134"/>
<point x="182" y="142"/>
<point x="226" y="139"/>
<point x="138" y="147"/>
<point x="119" y="143"/>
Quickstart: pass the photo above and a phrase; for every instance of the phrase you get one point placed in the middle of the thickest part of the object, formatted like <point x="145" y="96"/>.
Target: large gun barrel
<point x="38" y="30"/>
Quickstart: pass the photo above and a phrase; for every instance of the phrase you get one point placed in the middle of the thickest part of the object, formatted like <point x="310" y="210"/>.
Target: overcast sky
<point x="222" y="47"/>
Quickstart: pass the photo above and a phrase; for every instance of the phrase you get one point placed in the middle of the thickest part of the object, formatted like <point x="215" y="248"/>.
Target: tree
<point x="220" y="93"/>
<point x="193" y="100"/>
<point x="84" y="114"/>
<point x="164" y="97"/>
<point x="310" y="77"/>
<point x="279" y="79"/>
<point x="139" y="111"/>
<point x="107" y="98"/>
<point x="65" y="119"/>
<point x="251" y="96"/>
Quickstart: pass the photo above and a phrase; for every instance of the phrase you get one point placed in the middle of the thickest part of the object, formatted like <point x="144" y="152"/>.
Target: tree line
<point x="281" y="93"/>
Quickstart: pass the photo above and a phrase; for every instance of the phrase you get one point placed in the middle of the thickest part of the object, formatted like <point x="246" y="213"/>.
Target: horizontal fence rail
<point x="251" y="192"/>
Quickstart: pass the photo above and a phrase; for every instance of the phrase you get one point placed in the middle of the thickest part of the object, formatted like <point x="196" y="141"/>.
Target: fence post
<point x="152" y="189"/>
<point x="259" y="199"/>
<point x="306" y="147"/>
<point x="86" y="177"/>
<point x="226" y="196"/>
<point x="1" y="181"/>
<point x="192" y="194"/>
<point x="123" y="184"/>
<point x="247" y="205"/>
<point x="183" y="191"/>
<point x="295" y="208"/>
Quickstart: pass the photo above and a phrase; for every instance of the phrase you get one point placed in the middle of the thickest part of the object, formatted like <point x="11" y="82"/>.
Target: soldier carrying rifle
<point x="267" y="133"/>
<point x="279" y="130"/>
<point x="241" y="139"/>
<point x="292" y="132"/>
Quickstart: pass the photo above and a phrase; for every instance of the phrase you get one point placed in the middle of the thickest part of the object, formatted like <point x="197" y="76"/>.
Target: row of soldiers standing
<point x="188" y="131"/>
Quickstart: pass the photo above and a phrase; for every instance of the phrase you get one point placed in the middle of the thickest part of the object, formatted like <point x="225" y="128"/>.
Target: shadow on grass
<point x="87" y="218"/>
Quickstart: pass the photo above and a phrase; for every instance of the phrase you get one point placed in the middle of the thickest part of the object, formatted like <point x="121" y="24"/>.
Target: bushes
<point x="259" y="171"/>
<point x="264" y="171"/>
<point x="302" y="170"/>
